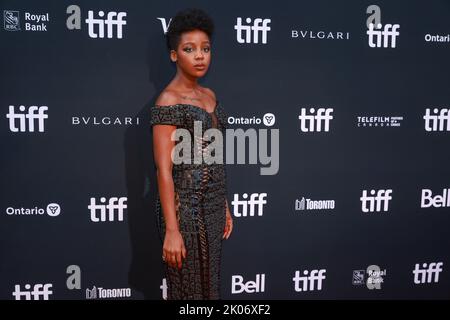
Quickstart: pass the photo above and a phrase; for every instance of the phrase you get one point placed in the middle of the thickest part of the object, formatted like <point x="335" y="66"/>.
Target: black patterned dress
<point x="200" y="202"/>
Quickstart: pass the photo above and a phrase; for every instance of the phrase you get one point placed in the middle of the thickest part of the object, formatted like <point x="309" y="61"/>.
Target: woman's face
<point x="193" y="54"/>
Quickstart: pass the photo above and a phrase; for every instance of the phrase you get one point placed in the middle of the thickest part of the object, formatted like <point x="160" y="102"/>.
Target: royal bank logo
<point x="372" y="277"/>
<point x="11" y="20"/>
<point x="378" y="121"/>
<point x="33" y="21"/>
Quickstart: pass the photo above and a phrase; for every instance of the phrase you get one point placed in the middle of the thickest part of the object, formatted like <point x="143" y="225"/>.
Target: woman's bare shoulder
<point x="167" y="98"/>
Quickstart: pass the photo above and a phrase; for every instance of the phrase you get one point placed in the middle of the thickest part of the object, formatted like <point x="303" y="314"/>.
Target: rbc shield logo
<point x="11" y="20"/>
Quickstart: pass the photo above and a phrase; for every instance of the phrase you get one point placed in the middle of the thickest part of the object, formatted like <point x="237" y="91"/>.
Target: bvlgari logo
<point x="319" y="34"/>
<point x="111" y="121"/>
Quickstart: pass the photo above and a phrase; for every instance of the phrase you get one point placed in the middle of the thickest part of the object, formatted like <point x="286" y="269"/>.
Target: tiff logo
<point x="310" y="281"/>
<point x="311" y="123"/>
<point x="18" y="121"/>
<point x="437" y="122"/>
<point x="429" y="272"/>
<point x="163" y="288"/>
<point x="39" y="291"/>
<point x="96" y="26"/>
<point x="374" y="202"/>
<point x="115" y="207"/>
<point x="259" y="25"/>
<point x="377" y="37"/>
<point x="256" y="200"/>
<point x="239" y="286"/>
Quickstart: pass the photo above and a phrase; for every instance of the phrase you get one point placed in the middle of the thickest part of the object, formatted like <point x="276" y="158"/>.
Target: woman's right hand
<point x="173" y="249"/>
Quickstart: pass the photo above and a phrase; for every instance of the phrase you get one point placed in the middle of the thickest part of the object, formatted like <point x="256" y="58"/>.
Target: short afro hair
<point x="188" y="20"/>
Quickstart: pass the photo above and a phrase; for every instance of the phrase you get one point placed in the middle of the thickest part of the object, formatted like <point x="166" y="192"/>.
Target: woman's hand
<point x="228" y="224"/>
<point x="174" y="250"/>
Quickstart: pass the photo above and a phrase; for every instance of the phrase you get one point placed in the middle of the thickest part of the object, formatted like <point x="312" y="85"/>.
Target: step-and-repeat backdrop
<point x="346" y="109"/>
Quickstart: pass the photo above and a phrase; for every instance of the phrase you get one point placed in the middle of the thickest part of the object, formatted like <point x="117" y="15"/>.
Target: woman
<point x="192" y="205"/>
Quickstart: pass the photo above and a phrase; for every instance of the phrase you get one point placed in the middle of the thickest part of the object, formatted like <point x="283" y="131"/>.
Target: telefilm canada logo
<point x="379" y="121"/>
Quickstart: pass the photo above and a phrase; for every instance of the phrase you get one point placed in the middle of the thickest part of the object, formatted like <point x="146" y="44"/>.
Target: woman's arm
<point x="173" y="248"/>
<point x="228" y="222"/>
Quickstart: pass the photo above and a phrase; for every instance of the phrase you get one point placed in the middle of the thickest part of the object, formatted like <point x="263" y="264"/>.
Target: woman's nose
<point x="199" y="54"/>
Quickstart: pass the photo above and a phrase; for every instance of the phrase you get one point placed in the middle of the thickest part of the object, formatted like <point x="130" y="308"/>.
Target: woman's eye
<point x="187" y="49"/>
<point x="207" y="49"/>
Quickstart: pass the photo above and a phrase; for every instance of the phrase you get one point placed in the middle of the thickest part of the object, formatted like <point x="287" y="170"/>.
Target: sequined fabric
<point x="200" y="195"/>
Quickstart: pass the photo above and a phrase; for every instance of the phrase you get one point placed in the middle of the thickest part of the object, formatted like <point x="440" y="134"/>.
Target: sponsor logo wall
<point x="338" y="172"/>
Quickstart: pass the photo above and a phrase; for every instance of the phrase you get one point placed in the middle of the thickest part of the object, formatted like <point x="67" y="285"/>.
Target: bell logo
<point x="437" y="201"/>
<point x="239" y="286"/>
